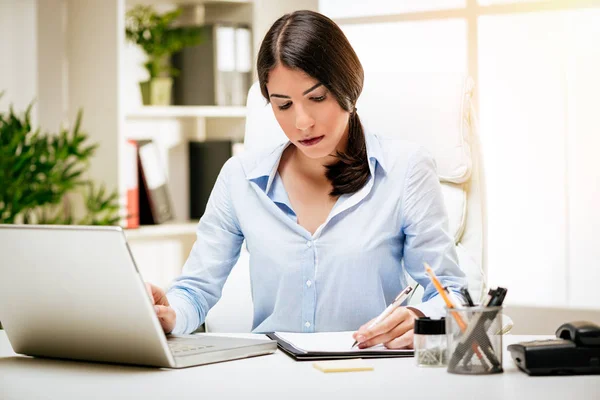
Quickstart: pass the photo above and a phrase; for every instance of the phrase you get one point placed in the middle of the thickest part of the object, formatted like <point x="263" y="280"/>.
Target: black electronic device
<point x="575" y="351"/>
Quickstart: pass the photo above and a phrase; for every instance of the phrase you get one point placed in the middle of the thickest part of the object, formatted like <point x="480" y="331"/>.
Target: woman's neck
<point x="312" y="168"/>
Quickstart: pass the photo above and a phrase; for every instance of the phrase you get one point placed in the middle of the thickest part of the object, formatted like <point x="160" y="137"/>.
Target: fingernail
<point x="156" y="309"/>
<point x="360" y="338"/>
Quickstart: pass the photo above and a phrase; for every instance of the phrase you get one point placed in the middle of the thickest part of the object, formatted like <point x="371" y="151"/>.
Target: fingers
<point x="149" y="290"/>
<point x="394" y="332"/>
<point x="400" y="321"/>
<point x="359" y="334"/>
<point x="157" y="295"/>
<point x="164" y="312"/>
<point x="166" y="316"/>
<point x="403" y="342"/>
<point x="365" y="326"/>
<point x="392" y="320"/>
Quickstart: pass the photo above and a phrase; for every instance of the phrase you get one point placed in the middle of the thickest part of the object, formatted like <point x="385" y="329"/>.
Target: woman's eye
<point x="320" y="98"/>
<point x="285" y="106"/>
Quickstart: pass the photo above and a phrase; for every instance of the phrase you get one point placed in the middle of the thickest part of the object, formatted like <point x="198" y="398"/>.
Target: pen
<point x="461" y="323"/>
<point x="389" y="309"/>
<point x="465" y="292"/>
<point x="495" y="298"/>
<point x="412" y="293"/>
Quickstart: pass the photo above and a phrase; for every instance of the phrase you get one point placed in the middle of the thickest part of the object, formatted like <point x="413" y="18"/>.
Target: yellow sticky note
<point x="350" y="365"/>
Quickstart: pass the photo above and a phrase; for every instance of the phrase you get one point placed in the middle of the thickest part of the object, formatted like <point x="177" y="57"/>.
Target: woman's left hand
<point x="395" y="331"/>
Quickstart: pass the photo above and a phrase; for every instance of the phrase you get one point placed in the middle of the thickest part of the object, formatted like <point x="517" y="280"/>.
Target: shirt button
<point x="307" y="324"/>
<point x="308" y="283"/>
<point x="308" y="244"/>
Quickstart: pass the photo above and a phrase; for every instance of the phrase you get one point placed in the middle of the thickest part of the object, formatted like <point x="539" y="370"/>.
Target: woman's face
<point x="307" y="112"/>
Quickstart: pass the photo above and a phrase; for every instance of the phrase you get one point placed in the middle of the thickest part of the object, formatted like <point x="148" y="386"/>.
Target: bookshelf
<point x="166" y="230"/>
<point x="102" y="79"/>
<point x="156" y="112"/>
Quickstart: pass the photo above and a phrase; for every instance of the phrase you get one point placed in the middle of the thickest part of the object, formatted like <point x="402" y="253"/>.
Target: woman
<point x="327" y="217"/>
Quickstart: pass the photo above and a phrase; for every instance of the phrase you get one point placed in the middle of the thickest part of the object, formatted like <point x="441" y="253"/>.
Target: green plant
<point x="41" y="172"/>
<point x="157" y="35"/>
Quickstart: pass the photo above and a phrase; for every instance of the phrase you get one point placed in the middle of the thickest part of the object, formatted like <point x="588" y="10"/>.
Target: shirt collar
<point x="265" y="171"/>
<point x="374" y="152"/>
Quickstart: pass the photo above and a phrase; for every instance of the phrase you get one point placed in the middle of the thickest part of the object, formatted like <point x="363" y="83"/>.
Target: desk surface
<point x="275" y="376"/>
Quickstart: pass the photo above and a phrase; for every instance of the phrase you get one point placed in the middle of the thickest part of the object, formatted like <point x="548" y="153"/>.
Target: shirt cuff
<point x="182" y="308"/>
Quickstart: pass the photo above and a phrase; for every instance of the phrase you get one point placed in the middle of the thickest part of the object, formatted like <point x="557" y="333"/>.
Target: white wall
<point x="52" y="71"/>
<point x="583" y="161"/>
<point x="523" y="121"/>
<point x="18" y="58"/>
<point x="33" y="66"/>
<point x="539" y="103"/>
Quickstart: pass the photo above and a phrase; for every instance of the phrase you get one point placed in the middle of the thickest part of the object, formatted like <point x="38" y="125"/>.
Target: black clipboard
<point x="300" y="355"/>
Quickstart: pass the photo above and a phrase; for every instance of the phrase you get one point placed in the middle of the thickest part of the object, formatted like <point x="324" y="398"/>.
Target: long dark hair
<point x="311" y="42"/>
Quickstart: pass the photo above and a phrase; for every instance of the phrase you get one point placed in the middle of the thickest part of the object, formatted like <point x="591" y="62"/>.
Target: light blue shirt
<point x="341" y="276"/>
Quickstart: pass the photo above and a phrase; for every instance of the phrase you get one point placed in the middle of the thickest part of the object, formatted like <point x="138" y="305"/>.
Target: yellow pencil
<point x="461" y="323"/>
<point x="436" y="282"/>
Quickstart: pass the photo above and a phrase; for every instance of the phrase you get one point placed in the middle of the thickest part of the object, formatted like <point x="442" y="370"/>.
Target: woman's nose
<point x="303" y="120"/>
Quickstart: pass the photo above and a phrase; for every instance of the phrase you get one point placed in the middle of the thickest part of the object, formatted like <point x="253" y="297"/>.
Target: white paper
<point x="334" y="342"/>
<point x="243" y="56"/>
<point x="225" y="36"/>
<point x="155" y="177"/>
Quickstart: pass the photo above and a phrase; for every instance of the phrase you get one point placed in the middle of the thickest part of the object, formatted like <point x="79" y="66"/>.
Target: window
<point x="361" y="8"/>
<point x="537" y="67"/>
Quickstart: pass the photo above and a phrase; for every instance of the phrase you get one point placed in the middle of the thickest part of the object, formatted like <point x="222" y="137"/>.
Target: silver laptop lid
<point x="74" y="292"/>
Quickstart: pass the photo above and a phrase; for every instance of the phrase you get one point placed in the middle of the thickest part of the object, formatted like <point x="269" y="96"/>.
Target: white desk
<point x="275" y="377"/>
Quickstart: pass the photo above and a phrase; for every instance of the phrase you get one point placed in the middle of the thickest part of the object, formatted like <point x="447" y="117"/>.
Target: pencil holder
<point x="474" y="336"/>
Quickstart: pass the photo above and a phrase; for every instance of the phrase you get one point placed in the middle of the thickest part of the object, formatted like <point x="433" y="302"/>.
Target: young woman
<point x="333" y="219"/>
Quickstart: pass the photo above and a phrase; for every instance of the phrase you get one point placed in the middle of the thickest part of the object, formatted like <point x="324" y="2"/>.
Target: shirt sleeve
<point x="215" y="252"/>
<point x="426" y="235"/>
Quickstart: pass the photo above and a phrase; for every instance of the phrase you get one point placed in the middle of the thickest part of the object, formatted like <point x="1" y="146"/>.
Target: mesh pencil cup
<point x="474" y="340"/>
<point x="430" y="342"/>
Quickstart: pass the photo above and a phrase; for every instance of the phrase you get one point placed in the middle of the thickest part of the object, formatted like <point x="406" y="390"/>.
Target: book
<point x="330" y="346"/>
<point x="132" y="219"/>
<point x="154" y="199"/>
<point x="217" y="71"/>
<point x="206" y="160"/>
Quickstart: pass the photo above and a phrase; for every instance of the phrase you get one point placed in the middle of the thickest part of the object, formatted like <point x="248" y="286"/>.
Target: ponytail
<point x="351" y="171"/>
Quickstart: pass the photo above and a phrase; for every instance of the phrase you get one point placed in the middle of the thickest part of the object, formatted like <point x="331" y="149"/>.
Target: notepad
<point x="326" y="341"/>
<point x="353" y="365"/>
<point x="330" y="345"/>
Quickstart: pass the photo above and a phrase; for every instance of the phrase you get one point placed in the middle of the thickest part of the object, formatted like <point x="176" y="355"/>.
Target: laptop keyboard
<point x="186" y="347"/>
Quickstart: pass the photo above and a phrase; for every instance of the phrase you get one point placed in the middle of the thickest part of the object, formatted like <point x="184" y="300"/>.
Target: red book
<point x="132" y="185"/>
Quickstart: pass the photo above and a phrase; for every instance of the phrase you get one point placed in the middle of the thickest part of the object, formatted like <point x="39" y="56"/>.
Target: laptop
<point x="74" y="292"/>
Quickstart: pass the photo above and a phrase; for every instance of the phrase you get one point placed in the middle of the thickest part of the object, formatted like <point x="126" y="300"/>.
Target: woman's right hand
<point x="164" y="311"/>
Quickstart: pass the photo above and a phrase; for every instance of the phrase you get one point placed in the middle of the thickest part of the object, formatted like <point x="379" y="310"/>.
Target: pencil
<point x="461" y="323"/>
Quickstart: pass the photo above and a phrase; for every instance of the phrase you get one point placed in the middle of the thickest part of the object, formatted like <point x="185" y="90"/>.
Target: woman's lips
<point x="312" y="141"/>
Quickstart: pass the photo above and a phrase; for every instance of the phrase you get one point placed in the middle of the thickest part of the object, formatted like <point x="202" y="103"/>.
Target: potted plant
<point x="42" y="173"/>
<point x="159" y="37"/>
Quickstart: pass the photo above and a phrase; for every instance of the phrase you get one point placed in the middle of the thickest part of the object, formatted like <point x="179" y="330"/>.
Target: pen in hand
<point x="389" y="309"/>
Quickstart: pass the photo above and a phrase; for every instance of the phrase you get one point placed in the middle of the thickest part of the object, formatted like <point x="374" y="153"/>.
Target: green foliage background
<point x="38" y="170"/>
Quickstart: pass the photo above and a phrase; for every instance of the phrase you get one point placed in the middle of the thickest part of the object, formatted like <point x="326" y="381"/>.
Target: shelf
<point x="186" y="2"/>
<point x="166" y="230"/>
<point x="147" y="112"/>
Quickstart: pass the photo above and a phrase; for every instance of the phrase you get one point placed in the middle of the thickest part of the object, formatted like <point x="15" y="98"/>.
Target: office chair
<point x="445" y="123"/>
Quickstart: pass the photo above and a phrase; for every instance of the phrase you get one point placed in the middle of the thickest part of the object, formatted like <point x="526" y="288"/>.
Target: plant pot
<point x="156" y="91"/>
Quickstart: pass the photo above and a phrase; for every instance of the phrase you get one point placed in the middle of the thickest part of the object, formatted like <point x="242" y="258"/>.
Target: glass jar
<point x="430" y="342"/>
